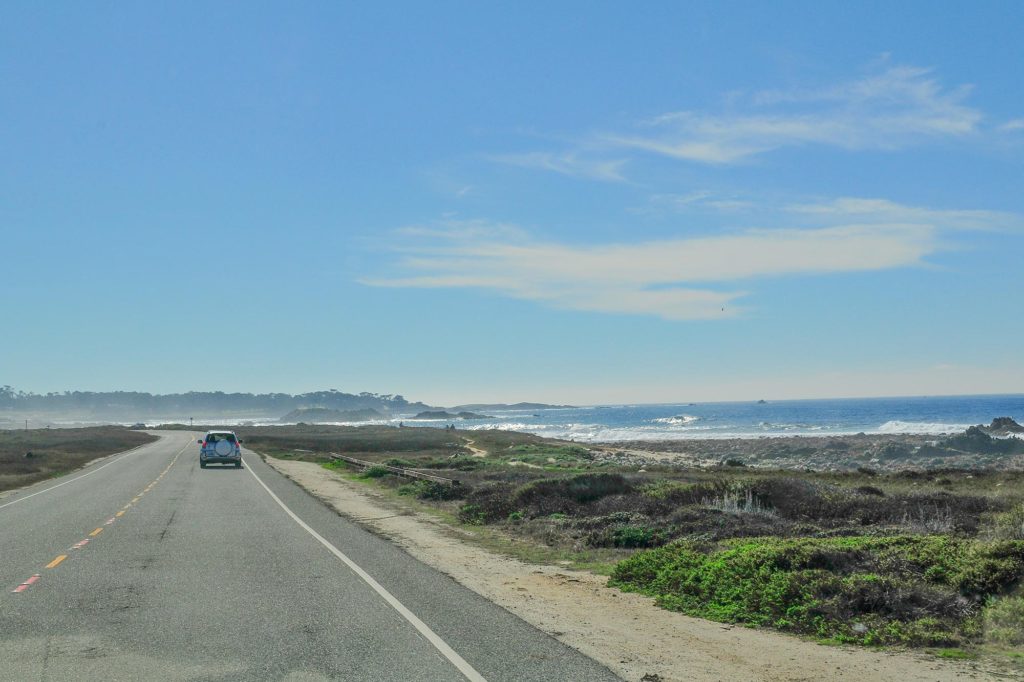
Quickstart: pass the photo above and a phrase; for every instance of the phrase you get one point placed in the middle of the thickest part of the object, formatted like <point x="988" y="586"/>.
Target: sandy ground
<point x="625" y="632"/>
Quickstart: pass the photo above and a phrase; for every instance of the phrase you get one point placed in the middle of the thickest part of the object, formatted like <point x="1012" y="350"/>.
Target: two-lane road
<point x="144" y="566"/>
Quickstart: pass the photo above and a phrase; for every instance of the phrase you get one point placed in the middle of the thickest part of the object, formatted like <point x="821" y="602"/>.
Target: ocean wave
<point x="926" y="428"/>
<point x="603" y="433"/>
<point x="502" y="426"/>
<point x="769" y="426"/>
<point x="678" y="420"/>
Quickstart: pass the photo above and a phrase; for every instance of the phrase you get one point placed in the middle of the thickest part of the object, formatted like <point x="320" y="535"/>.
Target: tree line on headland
<point x="112" y="403"/>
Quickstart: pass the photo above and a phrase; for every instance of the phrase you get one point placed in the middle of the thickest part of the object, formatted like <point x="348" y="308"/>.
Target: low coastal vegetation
<point x="28" y="456"/>
<point x="905" y="555"/>
<point x="900" y="589"/>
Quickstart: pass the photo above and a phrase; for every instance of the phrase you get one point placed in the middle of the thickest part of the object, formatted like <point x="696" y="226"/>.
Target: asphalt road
<point x="174" y="572"/>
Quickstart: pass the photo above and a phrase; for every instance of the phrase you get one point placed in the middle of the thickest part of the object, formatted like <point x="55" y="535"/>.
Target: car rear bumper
<point x="220" y="460"/>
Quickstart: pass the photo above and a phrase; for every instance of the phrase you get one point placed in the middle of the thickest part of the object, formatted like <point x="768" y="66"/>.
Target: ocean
<point x="676" y="421"/>
<point x="918" y="415"/>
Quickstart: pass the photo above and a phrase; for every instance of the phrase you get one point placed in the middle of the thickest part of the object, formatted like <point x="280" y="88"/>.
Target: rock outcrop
<point x="316" y="415"/>
<point x="441" y="414"/>
<point x="1004" y="426"/>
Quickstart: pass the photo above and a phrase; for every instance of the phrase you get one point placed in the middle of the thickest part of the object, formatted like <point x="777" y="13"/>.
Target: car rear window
<point x="217" y="437"/>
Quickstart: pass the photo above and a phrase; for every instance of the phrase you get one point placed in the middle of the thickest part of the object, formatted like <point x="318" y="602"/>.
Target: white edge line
<point x="118" y="456"/>
<point x="432" y="637"/>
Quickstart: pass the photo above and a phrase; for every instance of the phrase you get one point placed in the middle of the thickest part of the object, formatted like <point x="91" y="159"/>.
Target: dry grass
<point x="58" y="451"/>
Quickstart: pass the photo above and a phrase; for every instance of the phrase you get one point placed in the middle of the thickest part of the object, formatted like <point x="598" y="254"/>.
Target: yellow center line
<point x="53" y="564"/>
<point x="57" y="561"/>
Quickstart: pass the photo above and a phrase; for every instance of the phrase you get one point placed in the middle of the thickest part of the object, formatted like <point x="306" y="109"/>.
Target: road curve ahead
<point x="144" y="566"/>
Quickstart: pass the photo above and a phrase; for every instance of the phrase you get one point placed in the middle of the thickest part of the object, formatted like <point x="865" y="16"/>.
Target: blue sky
<point x="569" y="202"/>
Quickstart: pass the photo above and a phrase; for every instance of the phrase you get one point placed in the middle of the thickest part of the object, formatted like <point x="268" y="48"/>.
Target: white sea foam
<point x="589" y="433"/>
<point x="920" y="427"/>
<point x="769" y="426"/>
<point x="678" y="421"/>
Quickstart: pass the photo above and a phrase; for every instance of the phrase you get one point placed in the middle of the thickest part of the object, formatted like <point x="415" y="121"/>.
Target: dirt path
<point x="625" y="632"/>
<point x="477" y="452"/>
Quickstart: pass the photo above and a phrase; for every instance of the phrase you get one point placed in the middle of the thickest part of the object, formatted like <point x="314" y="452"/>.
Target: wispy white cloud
<point x="677" y="279"/>
<point x="900" y="106"/>
<point x="884" y="211"/>
<point x="573" y="164"/>
<point x="701" y="199"/>
<point x="892" y="108"/>
<point x="1013" y="125"/>
<point x="452" y="229"/>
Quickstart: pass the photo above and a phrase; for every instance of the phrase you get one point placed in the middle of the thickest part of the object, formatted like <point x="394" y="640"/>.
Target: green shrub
<point x="1010" y="525"/>
<point x="675" y="494"/>
<point x="636" y="536"/>
<point x="376" y="471"/>
<point x="430" y="490"/>
<point x="561" y="494"/>
<point x="490" y="503"/>
<point x="472" y="514"/>
<point x="1004" y="621"/>
<point x="871" y="590"/>
<point x="825" y="504"/>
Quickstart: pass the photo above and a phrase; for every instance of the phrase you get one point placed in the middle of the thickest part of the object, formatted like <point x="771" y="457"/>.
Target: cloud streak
<point x="572" y="164"/>
<point x="677" y="279"/>
<point x="891" y="109"/>
<point x="898" y="107"/>
<point x="884" y="211"/>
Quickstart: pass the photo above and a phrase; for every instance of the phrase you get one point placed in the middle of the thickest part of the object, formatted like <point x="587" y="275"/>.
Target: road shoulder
<point x="622" y="631"/>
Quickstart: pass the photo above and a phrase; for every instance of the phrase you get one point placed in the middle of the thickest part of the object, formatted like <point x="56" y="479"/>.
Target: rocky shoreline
<point x="979" y="447"/>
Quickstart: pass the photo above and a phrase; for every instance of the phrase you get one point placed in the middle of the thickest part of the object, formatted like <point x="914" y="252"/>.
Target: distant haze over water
<point x="937" y="415"/>
<point x="920" y="415"/>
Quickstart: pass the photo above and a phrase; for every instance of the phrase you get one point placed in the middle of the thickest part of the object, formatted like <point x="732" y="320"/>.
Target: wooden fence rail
<point x="398" y="471"/>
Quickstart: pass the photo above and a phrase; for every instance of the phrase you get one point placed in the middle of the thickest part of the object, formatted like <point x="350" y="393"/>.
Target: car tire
<point x="238" y="465"/>
<point x="202" y="465"/>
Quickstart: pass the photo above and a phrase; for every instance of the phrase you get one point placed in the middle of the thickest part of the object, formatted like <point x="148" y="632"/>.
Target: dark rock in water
<point x="1004" y="425"/>
<point x="431" y="414"/>
<point x="435" y="414"/>
<point x="313" y="415"/>
<point x="505" y="406"/>
<point x="762" y="402"/>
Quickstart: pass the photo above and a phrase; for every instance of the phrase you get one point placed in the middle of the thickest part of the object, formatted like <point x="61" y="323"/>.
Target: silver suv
<point x="220" y="447"/>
